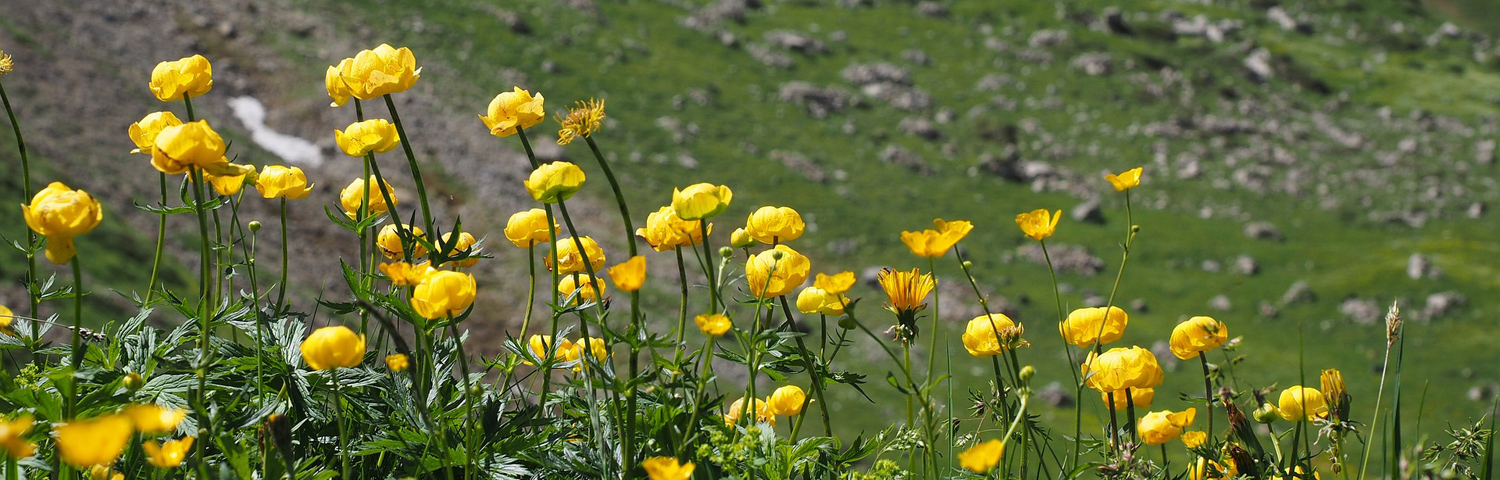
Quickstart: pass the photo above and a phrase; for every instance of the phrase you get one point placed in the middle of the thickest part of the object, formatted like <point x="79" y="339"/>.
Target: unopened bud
<point x="1266" y="413"/>
<point x="255" y="225"/>
<point x="968" y="265"/>
<point x="1026" y="373"/>
<point x="741" y="239"/>
<point x="134" y="382"/>
<point x="726" y="252"/>
<point x="776" y="255"/>
<point x="1135" y="229"/>
<point x="847" y="323"/>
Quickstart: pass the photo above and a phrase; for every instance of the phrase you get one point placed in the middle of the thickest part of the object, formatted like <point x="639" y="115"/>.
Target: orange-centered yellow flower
<point x="277" y="181"/>
<point x="97" y="441"/>
<point x="554" y="182"/>
<point x="144" y="132"/>
<point x="1161" y="427"/>
<point x="665" y="231"/>
<point x="1299" y="403"/>
<point x="1140" y="397"/>
<point x="465" y="242"/>
<point x="713" y="325"/>
<point x="443" y="293"/>
<point x="776" y="272"/>
<point x="1088" y="325"/>
<point x="353" y="195"/>
<point x="990" y="335"/>
<point x="582" y="121"/>
<point x="1197" y="335"/>
<point x="61" y="213"/>
<point x="629" y="276"/>
<point x="667" y="468"/>
<point x="528" y="228"/>
<point x="905" y="293"/>
<point x="772" y="225"/>
<point x="151" y="419"/>
<point x="1125" y="180"/>
<point x="983" y="457"/>
<point x="935" y="243"/>
<point x="512" y="110"/>
<point x="190" y="77"/>
<point x="333" y="347"/>
<point x="701" y="201"/>
<point x="566" y="258"/>
<point x="1038" y="224"/>
<point x="384" y="70"/>
<point x="1120" y="368"/>
<point x="389" y="242"/>
<point x="367" y="137"/>
<point x="179" y="147"/>
<point x="787" y="400"/>
<point x="168" y="454"/>
<point x="587" y="287"/>
<point x="397" y="362"/>
<point x="13" y="437"/>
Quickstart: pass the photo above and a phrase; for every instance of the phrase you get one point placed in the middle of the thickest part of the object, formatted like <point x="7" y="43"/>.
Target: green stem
<point x="205" y="310"/>
<point x="619" y="196"/>
<point x="338" y="408"/>
<point x="161" y="238"/>
<point x="813" y="373"/>
<point x="530" y="289"/>
<point x="281" y="288"/>
<point x="682" y="305"/>
<point x="708" y="262"/>
<point x="1208" y="393"/>
<point x="31" y="281"/>
<point x="463" y="365"/>
<point x="705" y="359"/>
<point x="411" y="160"/>
<point x="1072" y="363"/>
<point x="78" y="351"/>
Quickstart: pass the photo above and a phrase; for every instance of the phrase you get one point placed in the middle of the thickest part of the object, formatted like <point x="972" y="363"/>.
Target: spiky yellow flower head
<point x="13" y="437"/>
<point x="390" y="244"/>
<point x="1088" y="325"/>
<point x="185" y="77"/>
<point x="356" y="193"/>
<point x="905" y="293"/>
<point x="168" y="454"/>
<point x="154" y="418"/>
<point x="528" y="228"/>
<point x="667" y="468"/>
<point x="1038" y="224"/>
<point x="465" y="242"/>
<point x="582" y="120"/>
<point x="935" y="242"/>
<point x="1139" y="397"/>
<point x="1299" y="403"/>
<point x="370" y="136"/>
<point x="178" y="147"/>
<point x="993" y="334"/>
<point x="566" y="259"/>
<point x="1161" y="427"/>
<point x="787" y="401"/>
<point x="665" y="231"/>
<point x="405" y="274"/>
<point x="143" y="133"/>
<point x="397" y="362"/>
<point x="773" y="225"/>
<point x="776" y="272"/>
<point x="96" y="441"/>
<point x="983" y="457"/>
<point x="338" y="90"/>
<point x="384" y="70"/>
<point x="701" y="201"/>
<point x="629" y="276"/>
<point x="1120" y="368"/>
<point x="444" y="293"/>
<point x="61" y="213"/>
<point x="6" y="66"/>
<point x="1125" y="180"/>
<point x="554" y="182"/>
<point x="328" y="348"/>
<point x="1197" y="335"/>
<point x="713" y="325"/>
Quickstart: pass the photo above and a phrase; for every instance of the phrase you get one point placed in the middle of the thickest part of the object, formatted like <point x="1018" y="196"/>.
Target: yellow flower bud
<point x="787" y="400"/>
<point x="61" y="213"/>
<point x="367" y="137"/>
<point x="1161" y="427"/>
<point x="666" y="468"/>
<point x="178" y="147"/>
<point x="1197" y="335"/>
<point x="1082" y="327"/>
<point x="334" y="81"/>
<point x="983" y="457"/>
<point x="592" y="288"/>
<point x="566" y="259"/>
<point x="740" y="239"/>
<point x="389" y="242"/>
<point x="554" y="182"/>
<point x="701" y="201"/>
<point x="514" y="109"/>
<point x="772" y="225"/>
<point x="153" y="418"/>
<point x="397" y="362"/>
<point x="1125" y="180"/>
<point x="934" y="243"/>
<point x="168" y="454"/>
<point x="1121" y="368"/>
<point x="97" y="441"/>
<point x="228" y="185"/>
<point x="768" y="276"/>
<point x="665" y="231"/>
<point x="144" y="132"/>
<point x="593" y="346"/>
<point x="629" y="276"/>
<point x="444" y="293"/>
<point x="713" y="325"/>
<point x="333" y="347"/>
<point x="528" y="228"/>
<point x="1038" y="224"/>
<point x="277" y="181"/>
<point x="191" y="77"/>
<point x="382" y="71"/>
<point x="465" y="242"/>
<point x="1300" y="403"/>
<point x="351" y="197"/>
<point x="762" y="410"/>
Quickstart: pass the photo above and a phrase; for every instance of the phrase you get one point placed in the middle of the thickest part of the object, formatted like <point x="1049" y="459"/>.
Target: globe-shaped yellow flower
<point x="838" y="283"/>
<point x="776" y="272"/>
<point x="353" y="195"/>
<point x="1161" y="427"/>
<point x="397" y="362"/>
<point x="787" y="401"/>
<point x="444" y="293"/>
<point x="1088" y="325"/>
<point x="629" y="276"/>
<point x="540" y="344"/>
<point x="367" y="137"/>
<point x="1121" y="368"/>
<point x="665" y="231"/>
<point x="1197" y="335"/>
<point x="667" y="468"/>
<point x="7" y="318"/>
<point x="529" y="228"/>
<point x="465" y="242"/>
<point x="13" y="437"/>
<point x="151" y="419"/>
<point x="388" y="241"/>
<point x="191" y="77"/>
<point x="143" y="133"/>
<point x="566" y="259"/>
<point x="1038" y="224"/>
<point x="713" y="325"/>
<point x="594" y="347"/>
<point x="168" y="454"/>
<point x="381" y="71"/>
<point x="816" y="300"/>
<point x="277" y="181"/>
<point x="554" y="182"/>
<point x="762" y="410"/>
<point x="96" y="441"/>
<point x="1299" y="403"/>
<point x="773" y="225"/>
<point x="61" y="213"/>
<point x="984" y="336"/>
<point x="230" y="185"/>
<point x="935" y="242"/>
<point x="511" y="110"/>
<point x="587" y="287"/>
<point x="1140" y="397"/>
<point x="179" y="147"/>
<point x="740" y="239"/>
<point x="700" y="201"/>
<point x="983" y="457"/>
<point x="333" y="347"/>
<point x="338" y="90"/>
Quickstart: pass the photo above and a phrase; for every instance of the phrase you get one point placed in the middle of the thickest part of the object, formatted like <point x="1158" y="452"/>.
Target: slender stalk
<point x="411" y="160"/>
<point x="31" y="237"/>
<point x="1375" y="419"/>
<point x="1072" y="363"/>
<point x="78" y="352"/>
<point x="205" y="310"/>
<point x="713" y="284"/>
<point x="161" y="240"/>
<point x="705" y="359"/>
<point x="463" y="365"/>
<point x="1208" y="392"/>
<point x="530" y="288"/>
<point x="619" y="197"/>
<point x="813" y="372"/>
<point x="682" y="305"/>
<point x="281" y="288"/>
<point x="1130" y="410"/>
<point x="338" y="408"/>
<point x="1113" y="424"/>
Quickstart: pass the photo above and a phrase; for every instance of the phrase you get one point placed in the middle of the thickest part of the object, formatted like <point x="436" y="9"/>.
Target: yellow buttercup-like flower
<point x="397" y="362"/>
<point x="1197" y="335"/>
<point x="102" y="472"/>
<point x="333" y="347"/>
<point x="515" y="109"/>
<point x="1300" y="403"/>
<point x="1140" y="397"/>
<point x="13" y="437"/>
<point x="629" y="276"/>
<point x="191" y="76"/>
<point x="1161" y="427"/>
<point x="776" y="272"/>
<point x="1125" y="180"/>
<point x="465" y="241"/>
<point x="367" y="137"/>
<point x="934" y="243"/>
<point x="763" y="413"/>
<point x="566" y="258"/>
<point x="987" y="336"/>
<point x="338" y="90"/>
<point x="151" y="419"/>
<point x="592" y="288"/>
<point x="229" y="185"/>
<point x="554" y="182"/>
<point x="816" y="300"/>
<point x="667" y="468"/>
<point x="405" y="274"/>
<point x="713" y="325"/>
<point x="354" y="194"/>
<point x="905" y="293"/>
<point x="179" y="147"/>
<point x="168" y="454"/>
<point x="837" y="284"/>
<point x="701" y="201"/>
<point x="1083" y="326"/>
<point x="1038" y="224"/>
<point x="444" y="293"/>
<point x="787" y="400"/>
<point x="382" y="71"/>
<point x="1120" y="368"/>
<point x="772" y="225"/>
<point x="595" y="347"/>
<point x="983" y="457"/>
<point x="665" y="231"/>
<point x="61" y="213"/>
<point x="582" y="121"/>
<point x="1194" y="438"/>
<point x="144" y="132"/>
<point x="277" y="181"/>
<point x="7" y="318"/>
<point x="740" y="239"/>
<point x="388" y="241"/>
<point x="96" y="441"/>
<point x="528" y="228"/>
<point x="541" y="343"/>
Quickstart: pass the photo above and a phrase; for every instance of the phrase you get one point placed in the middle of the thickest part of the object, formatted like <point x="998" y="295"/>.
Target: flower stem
<point x="78" y="351"/>
<point x="411" y="160"/>
<point x="338" y="408"/>
<point x="281" y="287"/>
<point x="619" y="196"/>
<point x="708" y="262"/>
<point x="161" y="237"/>
<point x="31" y="282"/>
<point x="1208" y="392"/>
<point x="813" y="372"/>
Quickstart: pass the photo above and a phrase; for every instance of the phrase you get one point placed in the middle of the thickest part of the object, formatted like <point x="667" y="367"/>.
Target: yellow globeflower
<point x="934" y="243"/>
<point x="541" y="343"/>
<point x="528" y="228"/>
<point x="592" y="288"/>
<point x="229" y="185"/>
<point x="554" y="182"/>
<point x="667" y="468"/>
<point x="1140" y="397"/>
<point x="397" y="362"/>
<point x="191" y="76"/>
<point x="787" y="401"/>
<point x="465" y="241"/>
<point x="566" y="258"/>
<point x="665" y="231"/>
<point x="405" y="274"/>
<point x="1197" y="335"/>
<point x="13" y="437"/>
<point x="713" y="325"/>
<point x="1083" y="326"/>
<point x="1038" y="224"/>
<point x="338" y="90"/>
<point x="983" y="457"/>
<point x="816" y="300"/>
<point x="382" y="71"/>
<point x="1161" y="427"/>
<point x="443" y="293"/>
<point x="1125" y="180"/>
<point x="987" y="336"/>
<point x="96" y="441"/>
<point x="333" y="347"/>
<point x="178" y="147"/>
<point x="740" y="239"/>
<point x="837" y="284"/>
<point x="389" y="242"/>
<point x="1194" y="438"/>
<point x="61" y="213"/>
<point x="1120" y="368"/>
<point x="144" y="132"/>
<point x="354" y="194"/>
<point x="168" y="454"/>
<point x="582" y="121"/>
<point x="1300" y="403"/>
<point x="593" y="346"/>
<point x="772" y="225"/>
<point x="905" y="293"/>
<point x="776" y="272"/>
<point x="277" y="181"/>
<point x="367" y="137"/>
<point x="7" y="318"/>
<point x="152" y="419"/>
<point x="512" y="110"/>
<point x="629" y="276"/>
<point x="763" y="413"/>
<point x="701" y="201"/>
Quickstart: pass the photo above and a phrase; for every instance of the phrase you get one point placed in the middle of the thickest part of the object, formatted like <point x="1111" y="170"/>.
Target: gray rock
<point x="1065" y="258"/>
<point x="868" y="73"/>
<point x="1263" y="231"/>
<point x="796" y="42"/>
<point x="916" y="56"/>
<point x="768" y="57"/>
<point x="1089" y="212"/>
<point x="1441" y="304"/>
<point x="1047" y="38"/>
<point x="1363" y="312"/>
<point x="1139" y="306"/>
<point x="1268" y="310"/>
<point x="1211" y="266"/>
<point x="1114" y="19"/>
<point x="1246" y="265"/>
<point x="1259" y="64"/>
<point x="919" y="127"/>
<point x="1420" y="267"/>
<point x="1093" y="63"/>
<point x="895" y="155"/>
<point x="799" y="163"/>
<point x="1220" y="303"/>
<point x="1484" y="152"/>
<point x="932" y="10"/>
<point x="1055" y="395"/>
<point x="1475" y="210"/>
<point x="1299" y="292"/>
<point x="820" y="102"/>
